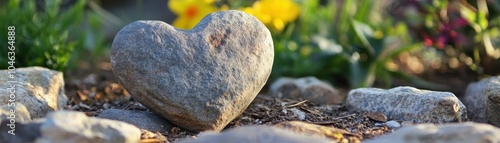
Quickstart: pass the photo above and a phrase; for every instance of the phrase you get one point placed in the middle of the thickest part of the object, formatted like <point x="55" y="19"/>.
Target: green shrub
<point x="44" y="37"/>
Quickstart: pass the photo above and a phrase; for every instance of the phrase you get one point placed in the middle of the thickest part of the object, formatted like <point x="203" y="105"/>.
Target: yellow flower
<point x="190" y="12"/>
<point x="274" y="13"/>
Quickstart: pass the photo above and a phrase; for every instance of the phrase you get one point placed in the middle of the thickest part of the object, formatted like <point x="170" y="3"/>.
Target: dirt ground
<point x="93" y="89"/>
<point x="92" y="92"/>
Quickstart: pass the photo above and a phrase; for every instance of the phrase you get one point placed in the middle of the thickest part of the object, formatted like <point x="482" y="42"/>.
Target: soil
<point x="92" y="90"/>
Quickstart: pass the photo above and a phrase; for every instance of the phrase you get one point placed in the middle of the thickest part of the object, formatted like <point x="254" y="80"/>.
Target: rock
<point x="309" y="88"/>
<point x="19" y="132"/>
<point x="72" y="127"/>
<point x="199" y="79"/>
<point x="308" y="129"/>
<point x="17" y="112"/>
<point x="255" y="134"/>
<point x="408" y="103"/>
<point x="467" y="132"/>
<point x="41" y="90"/>
<point x="482" y="99"/>
<point x="393" y="124"/>
<point x="300" y="114"/>
<point x="377" y="116"/>
<point x="141" y="119"/>
<point x="492" y="112"/>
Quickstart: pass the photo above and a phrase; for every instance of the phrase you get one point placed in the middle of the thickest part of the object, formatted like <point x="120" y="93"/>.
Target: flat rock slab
<point x="72" y="127"/>
<point x="40" y="89"/>
<point x="409" y="104"/>
<point x="141" y="119"/>
<point x="482" y="99"/>
<point x="309" y="88"/>
<point x="467" y="132"/>
<point x="255" y="134"/>
<point x="199" y="79"/>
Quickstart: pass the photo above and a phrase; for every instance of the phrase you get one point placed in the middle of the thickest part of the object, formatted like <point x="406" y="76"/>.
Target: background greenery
<point x="351" y="43"/>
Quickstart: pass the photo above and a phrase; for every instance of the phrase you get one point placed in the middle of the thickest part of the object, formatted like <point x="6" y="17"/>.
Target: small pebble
<point x="379" y="124"/>
<point x="377" y="116"/>
<point x="393" y="124"/>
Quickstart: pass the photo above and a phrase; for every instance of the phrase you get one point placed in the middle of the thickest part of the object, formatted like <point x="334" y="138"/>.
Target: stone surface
<point x="467" y="132"/>
<point x="199" y="79"/>
<point x="41" y="90"/>
<point x="308" y="129"/>
<point x="377" y="116"/>
<point x="17" y="112"/>
<point x="255" y="134"/>
<point x="408" y="103"/>
<point x="309" y="88"/>
<point x="482" y="99"/>
<point x="141" y="119"/>
<point x="393" y="124"/>
<point x="21" y="132"/>
<point x="73" y="127"/>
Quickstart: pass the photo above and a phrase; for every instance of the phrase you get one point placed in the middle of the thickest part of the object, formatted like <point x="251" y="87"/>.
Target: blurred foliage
<point x="465" y="31"/>
<point x="48" y="34"/>
<point x="347" y="42"/>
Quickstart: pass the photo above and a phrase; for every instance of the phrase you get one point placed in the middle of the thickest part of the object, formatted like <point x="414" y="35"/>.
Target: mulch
<point x="98" y="90"/>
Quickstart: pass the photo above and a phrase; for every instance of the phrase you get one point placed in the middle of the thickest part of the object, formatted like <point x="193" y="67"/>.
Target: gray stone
<point x="15" y="111"/>
<point x="141" y="119"/>
<point x="19" y="132"/>
<point x="482" y="99"/>
<point x="467" y="132"/>
<point x="393" y="124"/>
<point x="408" y="103"/>
<point x="255" y="134"/>
<point x="309" y="88"/>
<point x="73" y="127"/>
<point x="41" y="90"/>
<point x="199" y="79"/>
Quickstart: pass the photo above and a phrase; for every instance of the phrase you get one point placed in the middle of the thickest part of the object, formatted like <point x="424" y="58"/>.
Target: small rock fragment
<point x="309" y="88"/>
<point x="199" y="79"/>
<point x="40" y="89"/>
<point x="314" y="130"/>
<point x="467" y="132"/>
<point x="408" y="103"/>
<point x="377" y="116"/>
<point x="255" y="134"/>
<point x="393" y="124"/>
<point x="300" y="114"/>
<point x="141" y="119"/>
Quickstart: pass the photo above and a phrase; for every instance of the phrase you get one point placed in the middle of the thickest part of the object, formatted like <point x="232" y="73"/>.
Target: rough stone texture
<point x="467" y="132"/>
<point x="41" y="90"/>
<point x="76" y="127"/>
<point x="255" y="134"/>
<point x="199" y="79"/>
<point x="308" y="129"/>
<point x="141" y="119"/>
<point x="492" y="92"/>
<point x="482" y="99"/>
<point x="408" y="103"/>
<point x="309" y="88"/>
<point x="20" y="112"/>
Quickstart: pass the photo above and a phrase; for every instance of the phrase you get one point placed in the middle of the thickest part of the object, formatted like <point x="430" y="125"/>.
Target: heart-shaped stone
<point x="199" y="79"/>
